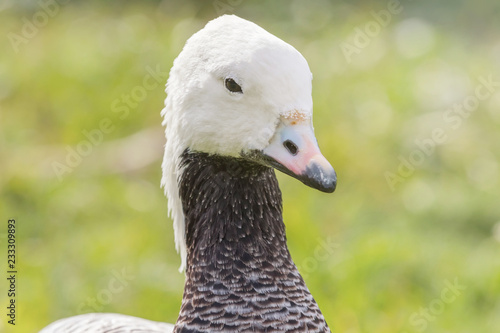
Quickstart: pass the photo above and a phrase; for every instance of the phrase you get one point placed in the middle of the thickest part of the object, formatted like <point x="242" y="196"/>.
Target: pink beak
<point x="294" y="151"/>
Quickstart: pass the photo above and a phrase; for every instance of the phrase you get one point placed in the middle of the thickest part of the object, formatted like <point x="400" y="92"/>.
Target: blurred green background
<point x="417" y="253"/>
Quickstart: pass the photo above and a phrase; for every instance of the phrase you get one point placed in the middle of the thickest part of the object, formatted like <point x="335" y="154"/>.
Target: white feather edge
<point x="170" y="176"/>
<point x="106" y="322"/>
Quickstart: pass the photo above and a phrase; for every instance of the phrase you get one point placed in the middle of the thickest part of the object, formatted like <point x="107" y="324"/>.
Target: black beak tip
<point x="328" y="187"/>
<point x="320" y="179"/>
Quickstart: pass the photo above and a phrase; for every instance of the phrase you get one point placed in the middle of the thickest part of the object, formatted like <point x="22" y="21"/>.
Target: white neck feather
<point x="171" y="174"/>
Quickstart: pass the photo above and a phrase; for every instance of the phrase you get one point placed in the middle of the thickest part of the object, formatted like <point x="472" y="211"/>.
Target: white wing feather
<point x="106" y="323"/>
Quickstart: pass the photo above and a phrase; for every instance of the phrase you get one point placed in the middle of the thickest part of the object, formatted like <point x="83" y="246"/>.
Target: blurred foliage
<point x="390" y="251"/>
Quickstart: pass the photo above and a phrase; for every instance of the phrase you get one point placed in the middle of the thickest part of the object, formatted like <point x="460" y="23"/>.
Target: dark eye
<point x="291" y="147"/>
<point x="232" y="86"/>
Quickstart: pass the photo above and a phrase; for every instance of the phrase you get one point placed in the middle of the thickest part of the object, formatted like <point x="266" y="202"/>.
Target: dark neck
<point x="239" y="275"/>
<point x="231" y="203"/>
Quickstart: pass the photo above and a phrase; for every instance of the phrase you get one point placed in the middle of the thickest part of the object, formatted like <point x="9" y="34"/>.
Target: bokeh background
<point x="412" y="234"/>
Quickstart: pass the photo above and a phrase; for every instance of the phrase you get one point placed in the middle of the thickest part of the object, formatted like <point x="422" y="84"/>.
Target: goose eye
<point x="233" y="86"/>
<point x="291" y="147"/>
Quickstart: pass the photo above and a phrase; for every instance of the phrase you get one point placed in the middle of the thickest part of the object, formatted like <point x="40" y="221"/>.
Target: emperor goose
<point x="239" y="104"/>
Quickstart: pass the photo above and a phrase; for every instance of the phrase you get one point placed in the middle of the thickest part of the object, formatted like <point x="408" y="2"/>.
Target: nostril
<point x="291" y="147"/>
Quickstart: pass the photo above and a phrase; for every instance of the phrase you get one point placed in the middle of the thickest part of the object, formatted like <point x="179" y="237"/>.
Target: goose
<point x="238" y="107"/>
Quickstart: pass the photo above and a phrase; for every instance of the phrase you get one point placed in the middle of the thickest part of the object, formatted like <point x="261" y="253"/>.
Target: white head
<point x="233" y="90"/>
